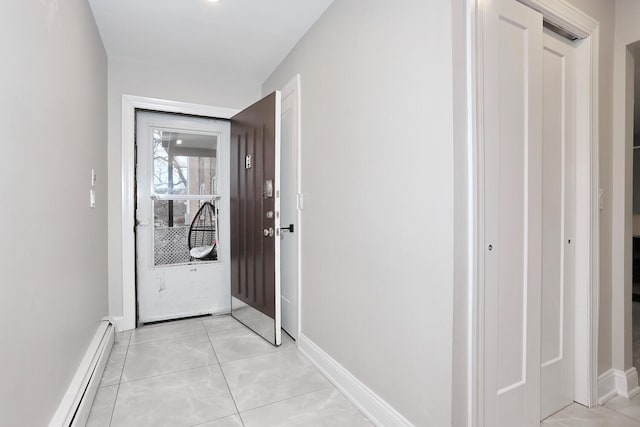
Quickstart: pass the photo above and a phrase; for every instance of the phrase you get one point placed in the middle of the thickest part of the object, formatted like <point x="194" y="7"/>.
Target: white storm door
<point x="512" y="85"/>
<point x="181" y="163"/>
<point x="558" y="201"/>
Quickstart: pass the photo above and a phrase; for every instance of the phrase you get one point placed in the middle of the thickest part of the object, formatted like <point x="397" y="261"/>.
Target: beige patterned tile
<point x="232" y="421"/>
<point x="327" y="407"/>
<point x="239" y="343"/>
<point x="184" y="398"/>
<point x="165" y="331"/>
<point x="113" y="370"/>
<point x="102" y="407"/>
<point x="272" y="377"/>
<point x="164" y="356"/>
<point x="579" y="416"/>
<point x="220" y="324"/>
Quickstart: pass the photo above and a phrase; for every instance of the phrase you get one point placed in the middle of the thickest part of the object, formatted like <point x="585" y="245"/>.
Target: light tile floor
<point x="214" y="372"/>
<point x="618" y="412"/>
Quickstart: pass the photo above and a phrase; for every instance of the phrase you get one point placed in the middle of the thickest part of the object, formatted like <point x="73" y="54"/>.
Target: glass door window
<point x="185" y="166"/>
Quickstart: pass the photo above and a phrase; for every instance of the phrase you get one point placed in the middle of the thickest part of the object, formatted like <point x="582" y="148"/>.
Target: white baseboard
<point x="76" y="404"/>
<point x="118" y="322"/>
<point x="606" y="386"/>
<point x="373" y="406"/>
<point x="627" y="383"/>
<point x="617" y="383"/>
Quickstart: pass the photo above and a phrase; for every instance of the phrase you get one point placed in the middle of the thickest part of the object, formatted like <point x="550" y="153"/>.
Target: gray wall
<point x="627" y="32"/>
<point x="377" y="174"/>
<point x="53" y="250"/>
<point x="164" y="81"/>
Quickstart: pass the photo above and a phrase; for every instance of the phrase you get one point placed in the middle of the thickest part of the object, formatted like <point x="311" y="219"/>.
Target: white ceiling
<point x="243" y="39"/>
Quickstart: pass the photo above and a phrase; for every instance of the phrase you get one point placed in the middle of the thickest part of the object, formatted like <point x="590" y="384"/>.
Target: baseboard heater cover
<point x="75" y="406"/>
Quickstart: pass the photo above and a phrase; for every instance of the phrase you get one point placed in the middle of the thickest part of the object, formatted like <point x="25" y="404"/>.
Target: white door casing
<point x="512" y="213"/>
<point x="289" y="205"/>
<point x="187" y="288"/>
<point x="558" y="204"/>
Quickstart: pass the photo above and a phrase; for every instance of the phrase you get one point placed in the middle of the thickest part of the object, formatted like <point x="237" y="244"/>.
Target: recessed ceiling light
<point x="213" y="1"/>
<point x="179" y="141"/>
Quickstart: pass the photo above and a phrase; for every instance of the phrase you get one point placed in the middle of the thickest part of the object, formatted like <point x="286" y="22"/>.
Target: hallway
<point x="213" y="372"/>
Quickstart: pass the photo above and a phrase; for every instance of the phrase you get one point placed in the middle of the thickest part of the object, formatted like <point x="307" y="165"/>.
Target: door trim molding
<point x="294" y="87"/>
<point x="130" y="104"/>
<point x="565" y="16"/>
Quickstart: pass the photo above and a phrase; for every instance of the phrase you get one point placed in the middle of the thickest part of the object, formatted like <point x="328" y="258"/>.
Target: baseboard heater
<point x="75" y="406"/>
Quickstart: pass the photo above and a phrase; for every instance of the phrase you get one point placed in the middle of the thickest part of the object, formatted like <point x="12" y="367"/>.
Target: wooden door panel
<point x="254" y="210"/>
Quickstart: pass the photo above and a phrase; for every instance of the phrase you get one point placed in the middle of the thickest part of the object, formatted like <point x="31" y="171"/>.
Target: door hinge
<point x="300" y="201"/>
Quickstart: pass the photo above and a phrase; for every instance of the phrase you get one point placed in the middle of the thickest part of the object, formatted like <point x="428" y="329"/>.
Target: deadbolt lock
<point x="270" y="215"/>
<point x="267" y="190"/>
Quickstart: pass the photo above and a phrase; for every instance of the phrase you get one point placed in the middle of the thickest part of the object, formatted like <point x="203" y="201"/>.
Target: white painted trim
<point x="617" y="383"/>
<point x="117" y="321"/>
<point x="294" y="86"/>
<point x="606" y="387"/>
<point x="566" y="16"/>
<point x="129" y="105"/>
<point x="276" y="222"/>
<point x="379" y="412"/>
<point x="76" y="404"/>
<point x="627" y="383"/>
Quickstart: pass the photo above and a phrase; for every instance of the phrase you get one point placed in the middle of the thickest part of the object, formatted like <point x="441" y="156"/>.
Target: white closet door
<point x="558" y="160"/>
<point x="512" y="211"/>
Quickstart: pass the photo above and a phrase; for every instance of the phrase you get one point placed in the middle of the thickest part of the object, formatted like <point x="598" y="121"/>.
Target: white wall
<point x="377" y="174"/>
<point x="175" y="83"/>
<point x="53" y="247"/>
<point x="627" y="32"/>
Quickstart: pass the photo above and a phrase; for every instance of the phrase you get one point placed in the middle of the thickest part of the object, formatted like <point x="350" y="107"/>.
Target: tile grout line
<point x="278" y="349"/>
<point x="225" y="379"/>
<point x="619" y="413"/>
<point x="167" y="373"/>
<point x="296" y="396"/>
<point x="190" y="334"/>
<point x="113" y="409"/>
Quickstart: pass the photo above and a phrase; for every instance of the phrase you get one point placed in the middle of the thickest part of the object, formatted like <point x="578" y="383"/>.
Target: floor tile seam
<point x="174" y="322"/>
<point x="215" y="419"/>
<point x="620" y="413"/>
<point x="233" y="399"/>
<point x="191" y="334"/>
<point x="115" y="401"/>
<point x="212" y="335"/>
<point x="278" y="349"/>
<point x="290" y="398"/>
<point x="169" y="373"/>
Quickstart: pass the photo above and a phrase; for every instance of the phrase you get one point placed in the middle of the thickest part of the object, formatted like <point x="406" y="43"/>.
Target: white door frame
<point x="129" y="105"/>
<point x="293" y="89"/>
<point x="565" y="16"/>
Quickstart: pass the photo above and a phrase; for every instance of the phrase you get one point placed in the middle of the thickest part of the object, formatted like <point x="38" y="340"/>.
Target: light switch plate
<point x="601" y="199"/>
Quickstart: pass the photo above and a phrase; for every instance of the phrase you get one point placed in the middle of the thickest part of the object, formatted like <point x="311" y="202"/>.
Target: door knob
<point x="289" y="228"/>
<point x="268" y="232"/>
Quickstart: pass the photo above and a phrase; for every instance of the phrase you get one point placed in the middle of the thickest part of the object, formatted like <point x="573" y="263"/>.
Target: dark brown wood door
<point x="255" y="222"/>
